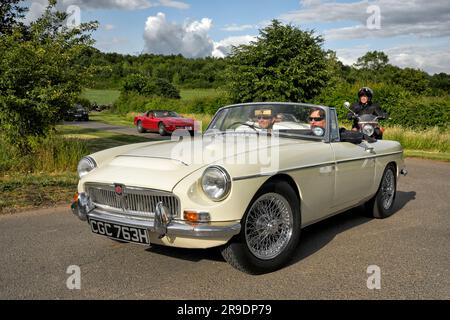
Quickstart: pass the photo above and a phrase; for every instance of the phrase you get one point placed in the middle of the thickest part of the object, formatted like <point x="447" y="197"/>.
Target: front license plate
<point x="119" y="232"/>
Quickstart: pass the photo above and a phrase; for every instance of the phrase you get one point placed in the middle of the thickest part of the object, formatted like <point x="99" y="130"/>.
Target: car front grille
<point x="138" y="202"/>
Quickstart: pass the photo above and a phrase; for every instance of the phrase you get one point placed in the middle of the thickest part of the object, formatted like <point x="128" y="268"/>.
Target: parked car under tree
<point x="253" y="210"/>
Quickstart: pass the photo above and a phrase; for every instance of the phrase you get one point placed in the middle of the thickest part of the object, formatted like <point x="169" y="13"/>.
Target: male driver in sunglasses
<point x="265" y="118"/>
<point x="317" y="120"/>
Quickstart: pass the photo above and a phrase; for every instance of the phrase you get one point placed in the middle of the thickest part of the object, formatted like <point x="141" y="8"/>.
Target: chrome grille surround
<point x="136" y="202"/>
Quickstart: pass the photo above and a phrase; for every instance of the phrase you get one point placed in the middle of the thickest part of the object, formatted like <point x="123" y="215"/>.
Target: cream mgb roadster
<point x="259" y="174"/>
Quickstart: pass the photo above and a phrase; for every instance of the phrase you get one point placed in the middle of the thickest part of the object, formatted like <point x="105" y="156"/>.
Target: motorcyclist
<point x="366" y="106"/>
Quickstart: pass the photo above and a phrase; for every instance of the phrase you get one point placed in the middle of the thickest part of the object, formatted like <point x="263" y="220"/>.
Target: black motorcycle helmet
<point x="365" y="91"/>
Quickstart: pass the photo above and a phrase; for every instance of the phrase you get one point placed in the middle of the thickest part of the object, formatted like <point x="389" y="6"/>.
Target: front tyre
<point x="139" y="127"/>
<point x="270" y="231"/>
<point x="382" y="204"/>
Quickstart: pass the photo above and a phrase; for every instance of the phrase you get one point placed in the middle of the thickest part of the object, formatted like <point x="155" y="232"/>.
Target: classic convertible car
<point x="248" y="185"/>
<point x="162" y="121"/>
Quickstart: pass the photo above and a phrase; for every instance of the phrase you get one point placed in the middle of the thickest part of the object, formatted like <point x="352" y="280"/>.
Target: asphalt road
<point x="412" y="249"/>
<point x="116" y="129"/>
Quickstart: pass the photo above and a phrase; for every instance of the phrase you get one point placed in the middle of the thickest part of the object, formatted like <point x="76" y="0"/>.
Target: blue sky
<point x="413" y="33"/>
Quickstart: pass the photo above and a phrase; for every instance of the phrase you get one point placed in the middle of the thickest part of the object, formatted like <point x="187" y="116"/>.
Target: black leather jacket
<point x="369" y="108"/>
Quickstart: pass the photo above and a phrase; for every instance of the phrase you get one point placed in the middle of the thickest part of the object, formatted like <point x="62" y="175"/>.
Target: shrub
<point x="147" y="86"/>
<point x="403" y="107"/>
<point x="133" y="102"/>
<point x="51" y="154"/>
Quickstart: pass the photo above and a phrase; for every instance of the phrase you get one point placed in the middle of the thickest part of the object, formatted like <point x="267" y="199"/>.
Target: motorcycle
<point x="368" y="124"/>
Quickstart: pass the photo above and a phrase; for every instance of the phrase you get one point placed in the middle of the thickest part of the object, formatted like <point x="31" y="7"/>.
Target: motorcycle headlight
<point x="86" y="165"/>
<point x="216" y="183"/>
<point x="368" y="129"/>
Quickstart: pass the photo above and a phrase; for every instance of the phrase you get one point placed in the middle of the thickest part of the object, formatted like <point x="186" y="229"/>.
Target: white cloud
<point x="36" y="10"/>
<point x="112" y="4"/>
<point x="112" y="44"/>
<point x="348" y="56"/>
<point x="190" y="39"/>
<point x="422" y="18"/>
<point x="234" y="27"/>
<point x="223" y="47"/>
<point x="309" y="3"/>
<point x="108" y="27"/>
<point x="431" y="59"/>
<point x="174" y="4"/>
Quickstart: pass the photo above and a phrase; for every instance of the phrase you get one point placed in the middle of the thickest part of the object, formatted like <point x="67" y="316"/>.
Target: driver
<point x="265" y="118"/>
<point x="317" y="119"/>
<point x="366" y="106"/>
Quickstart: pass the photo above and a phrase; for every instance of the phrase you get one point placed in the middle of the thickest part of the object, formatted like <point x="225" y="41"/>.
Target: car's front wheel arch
<point x="240" y="252"/>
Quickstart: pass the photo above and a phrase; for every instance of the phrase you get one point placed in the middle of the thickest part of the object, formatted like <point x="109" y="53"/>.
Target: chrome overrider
<point x="162" y="225"/>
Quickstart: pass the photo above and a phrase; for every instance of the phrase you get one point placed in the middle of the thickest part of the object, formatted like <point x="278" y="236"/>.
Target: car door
<point x="354" y="168"/>
<point x="355" y="173"/>
<point x="315" y="176"/>
<point x="149" y="120"/>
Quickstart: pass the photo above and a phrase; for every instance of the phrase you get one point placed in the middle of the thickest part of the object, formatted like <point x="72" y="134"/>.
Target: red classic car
<point x="162" y="121"/>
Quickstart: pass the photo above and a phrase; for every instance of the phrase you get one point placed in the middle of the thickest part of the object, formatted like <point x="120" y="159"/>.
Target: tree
<point x="39" y="76"/>
<point x="441" y="81"/>
<point x="415" y="81"/>
<point x="148" y="86"/>
<point x="373" y="61"/>
<point x="11" y="14"/>
<point x="283" y="64"/>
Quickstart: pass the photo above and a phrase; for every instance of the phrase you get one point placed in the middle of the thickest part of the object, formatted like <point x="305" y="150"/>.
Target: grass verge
<point x="48" y="177"/>
<point x="19" y="192"/>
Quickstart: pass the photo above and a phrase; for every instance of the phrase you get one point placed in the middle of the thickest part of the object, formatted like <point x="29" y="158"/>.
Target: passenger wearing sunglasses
<point x="265" y="118"/>
<point x="317" y="120"/>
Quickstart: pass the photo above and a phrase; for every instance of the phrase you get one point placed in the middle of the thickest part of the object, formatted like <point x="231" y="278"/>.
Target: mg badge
<point x="119" y="189"/>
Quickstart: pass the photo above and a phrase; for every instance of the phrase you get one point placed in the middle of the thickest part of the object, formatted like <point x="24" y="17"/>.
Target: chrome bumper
<point x="160" y="226"/>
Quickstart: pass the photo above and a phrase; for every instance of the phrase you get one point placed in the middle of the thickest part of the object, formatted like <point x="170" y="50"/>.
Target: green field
<point x="101" y="97"/>
<point x="106" y="97"/>
<point x="189" y="94"/>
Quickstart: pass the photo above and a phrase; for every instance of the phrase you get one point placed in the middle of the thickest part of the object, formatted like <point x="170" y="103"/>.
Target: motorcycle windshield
<point x="368" y="118"/>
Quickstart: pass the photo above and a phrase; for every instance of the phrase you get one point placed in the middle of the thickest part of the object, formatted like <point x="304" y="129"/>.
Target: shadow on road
<point x="193" y="255"/>
<point x="403" y="198"/>
<point x="313" y="238"/>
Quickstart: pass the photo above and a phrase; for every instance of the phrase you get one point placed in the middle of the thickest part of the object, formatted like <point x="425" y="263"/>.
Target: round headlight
<point x="368" y="130"/>
<point x="86" y="165"/>
<point x="216" y="183"/>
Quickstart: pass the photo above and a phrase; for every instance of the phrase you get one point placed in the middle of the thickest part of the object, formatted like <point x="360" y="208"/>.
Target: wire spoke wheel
<point x="269" y="226"/>
<point x="388" y="190"/>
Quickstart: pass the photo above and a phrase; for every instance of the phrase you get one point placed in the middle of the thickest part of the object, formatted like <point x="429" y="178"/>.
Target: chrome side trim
<point x="269" y="174"/>
<point x="175" y="228"/>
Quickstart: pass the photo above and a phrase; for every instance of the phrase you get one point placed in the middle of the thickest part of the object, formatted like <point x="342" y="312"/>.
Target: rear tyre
<point x="382" y="204"/>
<point x="270" y="231"/>
<point x="139" y="127"/>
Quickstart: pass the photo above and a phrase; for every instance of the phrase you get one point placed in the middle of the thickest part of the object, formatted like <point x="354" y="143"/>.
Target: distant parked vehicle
<point x="162" y="121"/>
<point x="78" y="112"/>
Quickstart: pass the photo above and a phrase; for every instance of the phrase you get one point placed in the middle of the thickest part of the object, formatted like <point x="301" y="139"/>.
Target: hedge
<point x="132" y="102"/>
<point x="404" y="109"/>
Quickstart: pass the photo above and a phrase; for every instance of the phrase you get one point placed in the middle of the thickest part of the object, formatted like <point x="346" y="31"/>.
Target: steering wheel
<point x="243" y="123"/>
